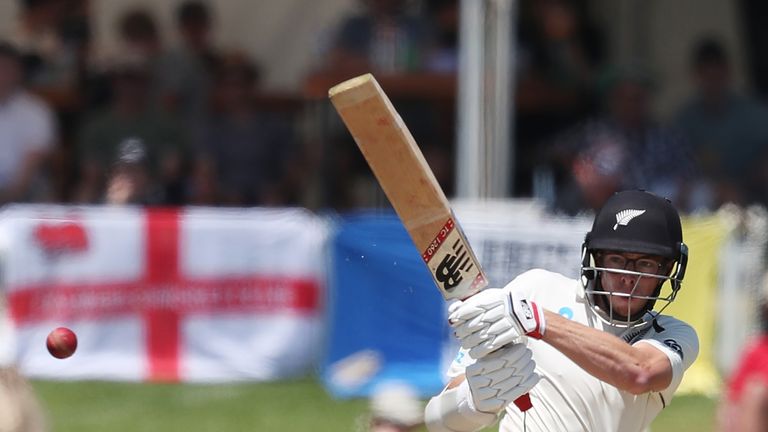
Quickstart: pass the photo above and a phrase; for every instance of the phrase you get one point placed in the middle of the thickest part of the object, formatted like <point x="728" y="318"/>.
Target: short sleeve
<point x="681" y="345"/>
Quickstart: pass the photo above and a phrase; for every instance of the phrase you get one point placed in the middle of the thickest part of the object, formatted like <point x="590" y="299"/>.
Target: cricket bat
<point x="412" y="189"/>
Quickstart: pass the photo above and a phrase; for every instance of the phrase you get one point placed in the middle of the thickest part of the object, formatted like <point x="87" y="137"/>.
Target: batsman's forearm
<point x="603" y="355"/>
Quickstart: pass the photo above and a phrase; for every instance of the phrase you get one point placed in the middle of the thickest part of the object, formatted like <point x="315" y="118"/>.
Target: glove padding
<point x="499" y="378"/>
<point x="494" y="318"/>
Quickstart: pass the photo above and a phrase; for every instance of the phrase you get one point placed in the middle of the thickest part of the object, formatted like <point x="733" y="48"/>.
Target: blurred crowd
<point x="710" y="152"/>
<point x="159" y="124"/>
<point x="189" y="123"/>
<point x="146" y="124"/>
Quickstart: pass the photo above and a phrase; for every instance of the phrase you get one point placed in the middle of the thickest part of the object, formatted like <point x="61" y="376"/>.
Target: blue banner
<point x="386" y="317"/>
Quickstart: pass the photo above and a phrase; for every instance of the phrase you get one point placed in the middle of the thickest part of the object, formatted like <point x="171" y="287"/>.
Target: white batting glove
<point x="494" y="318"/>
<point x="499" y="378"/>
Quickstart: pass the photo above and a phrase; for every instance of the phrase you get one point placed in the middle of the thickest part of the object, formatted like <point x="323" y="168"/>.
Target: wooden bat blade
<point x="410" y="185"/>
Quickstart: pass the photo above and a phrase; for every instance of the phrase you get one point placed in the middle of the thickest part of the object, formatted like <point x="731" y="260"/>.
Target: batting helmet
<point x="639" y="222"/>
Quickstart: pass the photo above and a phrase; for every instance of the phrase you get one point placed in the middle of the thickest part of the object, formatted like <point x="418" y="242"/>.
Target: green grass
<point x="687" y="413"/>
<point x="115" y="407"/>
<point x="300" y="405"/>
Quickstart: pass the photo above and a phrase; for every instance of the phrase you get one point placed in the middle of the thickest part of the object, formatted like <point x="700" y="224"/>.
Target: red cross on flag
<point x="165" y="294"/>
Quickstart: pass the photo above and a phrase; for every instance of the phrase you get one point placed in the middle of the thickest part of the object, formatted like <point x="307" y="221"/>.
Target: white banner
<point x="511" y="237"/>
<point x="194" y="294"/>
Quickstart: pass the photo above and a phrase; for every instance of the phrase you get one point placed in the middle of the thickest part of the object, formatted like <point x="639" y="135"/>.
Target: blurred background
<point x="178" y="190"/>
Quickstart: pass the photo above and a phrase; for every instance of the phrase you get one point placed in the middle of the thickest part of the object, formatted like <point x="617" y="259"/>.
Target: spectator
<point x="596" y="174"/>
<point x="130" y="116"/>
<point x="643" y="154"/>
<point x="558" y="57"/>
<point x="128" y="181"/>
<point x="186" y="71"/>
<point x="559" y="45"/>
<point x="139" y="35"/>
<point x="443" y="56"/>
<point x="384" y="39"/>
<point x="138" y="39"/>
<point x="744" y="408"/>
<point x="49" y="61"/>
<point x="74" y="27"/>
<point x="247" y="155"/>
<point x="27" y="134"/>
<point x="728" y="131"/>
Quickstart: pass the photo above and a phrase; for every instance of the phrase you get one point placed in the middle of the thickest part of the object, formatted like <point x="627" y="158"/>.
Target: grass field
<point x="301" y="405"/>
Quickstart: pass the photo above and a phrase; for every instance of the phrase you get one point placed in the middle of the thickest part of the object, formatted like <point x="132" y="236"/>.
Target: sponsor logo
<point x="527" y="312"/>
<point x="625" y="216"/>
<point x="674" y="346"/>
<point x="58" y="237"/>
<point x="449" y="271"/>
<point x="452" y="263"/>
<point x="438" y="240"/>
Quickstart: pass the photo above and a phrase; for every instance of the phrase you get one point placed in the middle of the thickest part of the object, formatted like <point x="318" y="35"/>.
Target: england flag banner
<point x="194" y="294"/>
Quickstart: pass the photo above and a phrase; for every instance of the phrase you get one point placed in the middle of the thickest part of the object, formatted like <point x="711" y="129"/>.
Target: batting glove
<point x="499" y="378"/>
<point x="494" y="318"/>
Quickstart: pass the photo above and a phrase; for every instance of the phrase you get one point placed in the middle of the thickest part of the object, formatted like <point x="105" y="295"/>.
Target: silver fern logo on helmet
<point x="625" y="216"/>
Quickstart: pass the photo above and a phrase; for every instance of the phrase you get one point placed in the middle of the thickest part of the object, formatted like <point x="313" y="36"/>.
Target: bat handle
<point x="523" y="403"/>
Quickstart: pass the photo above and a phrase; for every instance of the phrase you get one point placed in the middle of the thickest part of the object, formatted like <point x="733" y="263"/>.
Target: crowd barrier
<point x="200" y="294"/>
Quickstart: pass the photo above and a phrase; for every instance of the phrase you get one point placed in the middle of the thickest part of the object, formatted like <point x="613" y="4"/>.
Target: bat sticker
<point x="450" y="259"/>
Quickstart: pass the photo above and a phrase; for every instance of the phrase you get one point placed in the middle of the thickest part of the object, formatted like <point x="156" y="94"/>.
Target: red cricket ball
<point x="61" y="342"/>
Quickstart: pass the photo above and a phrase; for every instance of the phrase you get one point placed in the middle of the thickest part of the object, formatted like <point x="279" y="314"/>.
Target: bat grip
<point x="523" y="403"/>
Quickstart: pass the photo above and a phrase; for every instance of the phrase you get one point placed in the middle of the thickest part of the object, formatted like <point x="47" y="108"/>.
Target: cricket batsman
<point x="594" y="354"/>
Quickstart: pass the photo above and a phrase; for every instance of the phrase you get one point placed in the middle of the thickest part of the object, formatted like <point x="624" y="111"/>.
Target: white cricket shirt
<point x="570" y="399"/>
